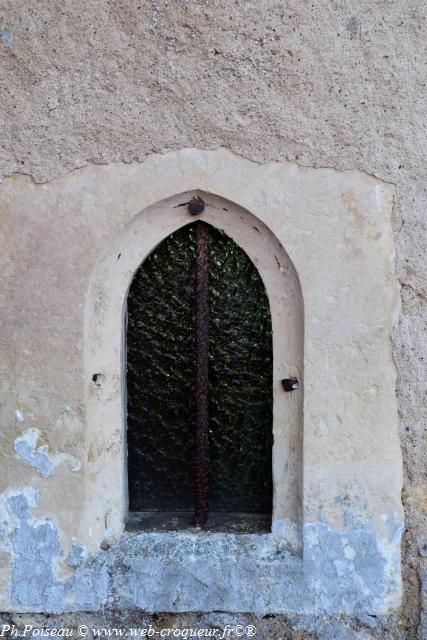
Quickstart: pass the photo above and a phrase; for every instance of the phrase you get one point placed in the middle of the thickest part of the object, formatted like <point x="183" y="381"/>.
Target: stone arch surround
<point x="344" y="552"/>
<point x="106" y="304"/>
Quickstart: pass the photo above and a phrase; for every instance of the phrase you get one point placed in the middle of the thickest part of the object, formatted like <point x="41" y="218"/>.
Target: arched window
<point x="198" y="443"/>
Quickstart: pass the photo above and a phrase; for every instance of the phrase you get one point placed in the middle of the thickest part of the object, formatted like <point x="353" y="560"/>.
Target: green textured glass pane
<point x="240" y="374"/>
<point x="162" y="379"/>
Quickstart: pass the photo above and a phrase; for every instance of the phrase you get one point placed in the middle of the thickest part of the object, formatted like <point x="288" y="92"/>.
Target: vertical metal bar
<point x="202" y="399"/>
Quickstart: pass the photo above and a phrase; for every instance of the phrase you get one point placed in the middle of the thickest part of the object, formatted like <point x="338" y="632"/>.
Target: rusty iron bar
<point x="202" y="397"/>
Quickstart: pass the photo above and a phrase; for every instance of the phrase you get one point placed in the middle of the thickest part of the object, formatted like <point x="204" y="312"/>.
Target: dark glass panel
<point x="161" y="377"/>
<point x="240" y="382"/>
<point x="161" y="380"/>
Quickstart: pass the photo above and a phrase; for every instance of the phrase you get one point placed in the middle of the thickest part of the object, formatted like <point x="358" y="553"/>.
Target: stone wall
<point x="326" y="84"/>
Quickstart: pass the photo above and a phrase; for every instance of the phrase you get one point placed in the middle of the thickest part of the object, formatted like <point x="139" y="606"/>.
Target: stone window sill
<point x="156" y="521"/>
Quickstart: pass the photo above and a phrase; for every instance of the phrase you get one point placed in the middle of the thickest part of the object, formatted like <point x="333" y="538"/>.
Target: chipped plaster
<point x="340" y="571"/>
<point x="25" y="447"/>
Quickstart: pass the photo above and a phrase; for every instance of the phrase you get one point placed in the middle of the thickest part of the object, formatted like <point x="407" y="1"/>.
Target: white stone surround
<point x="324" y="249"/>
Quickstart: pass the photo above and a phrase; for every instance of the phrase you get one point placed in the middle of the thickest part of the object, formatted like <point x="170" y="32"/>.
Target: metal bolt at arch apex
<point x="196" y="205"/>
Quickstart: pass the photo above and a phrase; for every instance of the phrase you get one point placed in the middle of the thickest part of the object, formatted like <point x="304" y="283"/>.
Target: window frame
<point x="106" y="355"/>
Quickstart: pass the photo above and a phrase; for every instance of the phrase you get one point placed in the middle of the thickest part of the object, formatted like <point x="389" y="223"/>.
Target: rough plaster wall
<point x="327" y="83"/>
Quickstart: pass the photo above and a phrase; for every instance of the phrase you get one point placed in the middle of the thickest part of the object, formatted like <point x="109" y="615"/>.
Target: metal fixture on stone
<point x="290" y="384"/>
<point x="196" y="205"/>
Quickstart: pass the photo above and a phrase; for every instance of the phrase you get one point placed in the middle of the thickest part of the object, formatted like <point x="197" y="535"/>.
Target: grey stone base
<point x="337" y="573"/>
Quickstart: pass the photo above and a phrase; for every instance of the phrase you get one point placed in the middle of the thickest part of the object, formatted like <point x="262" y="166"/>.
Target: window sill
<point x="156" y="521"/>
